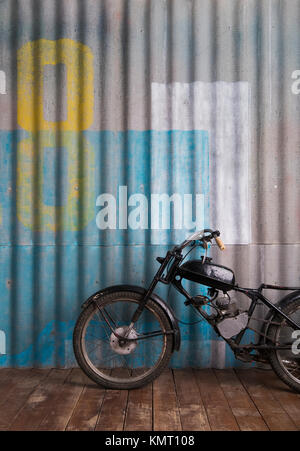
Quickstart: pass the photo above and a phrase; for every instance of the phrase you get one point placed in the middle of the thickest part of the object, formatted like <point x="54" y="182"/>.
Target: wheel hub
<point x="123" y="347"/>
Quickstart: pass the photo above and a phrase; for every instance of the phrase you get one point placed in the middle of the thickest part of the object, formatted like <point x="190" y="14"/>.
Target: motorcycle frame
<point x="256" y="296"/>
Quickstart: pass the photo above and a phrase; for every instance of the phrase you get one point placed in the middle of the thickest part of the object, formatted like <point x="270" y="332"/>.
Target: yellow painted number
<point x="78" y="210"/>
<point x="78" y="58"/>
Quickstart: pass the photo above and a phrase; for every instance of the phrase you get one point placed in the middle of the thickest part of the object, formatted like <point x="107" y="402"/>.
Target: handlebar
<point x="176" y="253"/>
<point x="200" y="236"/>
<point x="220" y="243"/>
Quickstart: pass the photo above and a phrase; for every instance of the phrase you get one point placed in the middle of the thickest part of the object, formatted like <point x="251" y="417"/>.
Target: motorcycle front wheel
<point x="122" y="364"/>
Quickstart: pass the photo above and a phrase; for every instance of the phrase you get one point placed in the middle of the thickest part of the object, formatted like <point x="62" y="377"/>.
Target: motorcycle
<point x="125" y="334"/>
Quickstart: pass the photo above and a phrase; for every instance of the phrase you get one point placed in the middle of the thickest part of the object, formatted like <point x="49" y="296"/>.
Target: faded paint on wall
<point x="165" y="96"/>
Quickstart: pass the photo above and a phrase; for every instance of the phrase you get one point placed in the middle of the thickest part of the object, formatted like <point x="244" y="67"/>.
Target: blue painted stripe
<point x="45" y="276"/>
<point x="146" y="162"/>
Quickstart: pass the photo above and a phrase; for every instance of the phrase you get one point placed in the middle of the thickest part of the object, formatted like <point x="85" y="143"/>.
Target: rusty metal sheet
<point x="124" y="126"/>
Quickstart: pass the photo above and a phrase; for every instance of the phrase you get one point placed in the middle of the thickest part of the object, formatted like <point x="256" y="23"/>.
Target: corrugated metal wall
<point x="108" y="103"/>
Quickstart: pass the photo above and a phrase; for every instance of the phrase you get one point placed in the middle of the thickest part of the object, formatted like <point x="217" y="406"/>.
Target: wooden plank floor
<point x="194" y="400"/>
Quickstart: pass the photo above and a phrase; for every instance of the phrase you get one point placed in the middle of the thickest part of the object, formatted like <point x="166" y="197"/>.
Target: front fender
<point x="154" y="297"/>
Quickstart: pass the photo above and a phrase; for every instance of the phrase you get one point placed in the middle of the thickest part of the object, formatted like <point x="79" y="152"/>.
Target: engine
<point x="229" y="319"/>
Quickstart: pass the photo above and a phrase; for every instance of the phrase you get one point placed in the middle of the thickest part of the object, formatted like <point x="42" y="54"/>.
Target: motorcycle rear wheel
<point x="286" y="363"/>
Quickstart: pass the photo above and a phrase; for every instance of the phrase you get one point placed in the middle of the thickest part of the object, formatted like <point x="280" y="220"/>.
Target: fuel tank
<point x="208" y="273"/>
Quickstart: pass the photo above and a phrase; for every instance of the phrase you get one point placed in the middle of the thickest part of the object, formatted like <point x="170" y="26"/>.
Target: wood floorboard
<point x="179" y="399"/>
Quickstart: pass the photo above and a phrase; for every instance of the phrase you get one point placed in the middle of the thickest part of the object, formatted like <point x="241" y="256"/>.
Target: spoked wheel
<point x="286" y="363"/>
<point x="116" y="363"/>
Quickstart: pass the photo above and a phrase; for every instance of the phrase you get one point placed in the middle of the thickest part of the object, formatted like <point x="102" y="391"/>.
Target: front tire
<point x="109" y="364"/>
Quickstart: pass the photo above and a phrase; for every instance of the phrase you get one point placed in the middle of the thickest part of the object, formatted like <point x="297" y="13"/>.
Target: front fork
<point x="157" y="278"/>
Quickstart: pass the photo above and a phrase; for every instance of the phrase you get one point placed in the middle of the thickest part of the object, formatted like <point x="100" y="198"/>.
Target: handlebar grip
<point x="220" y="243"/>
